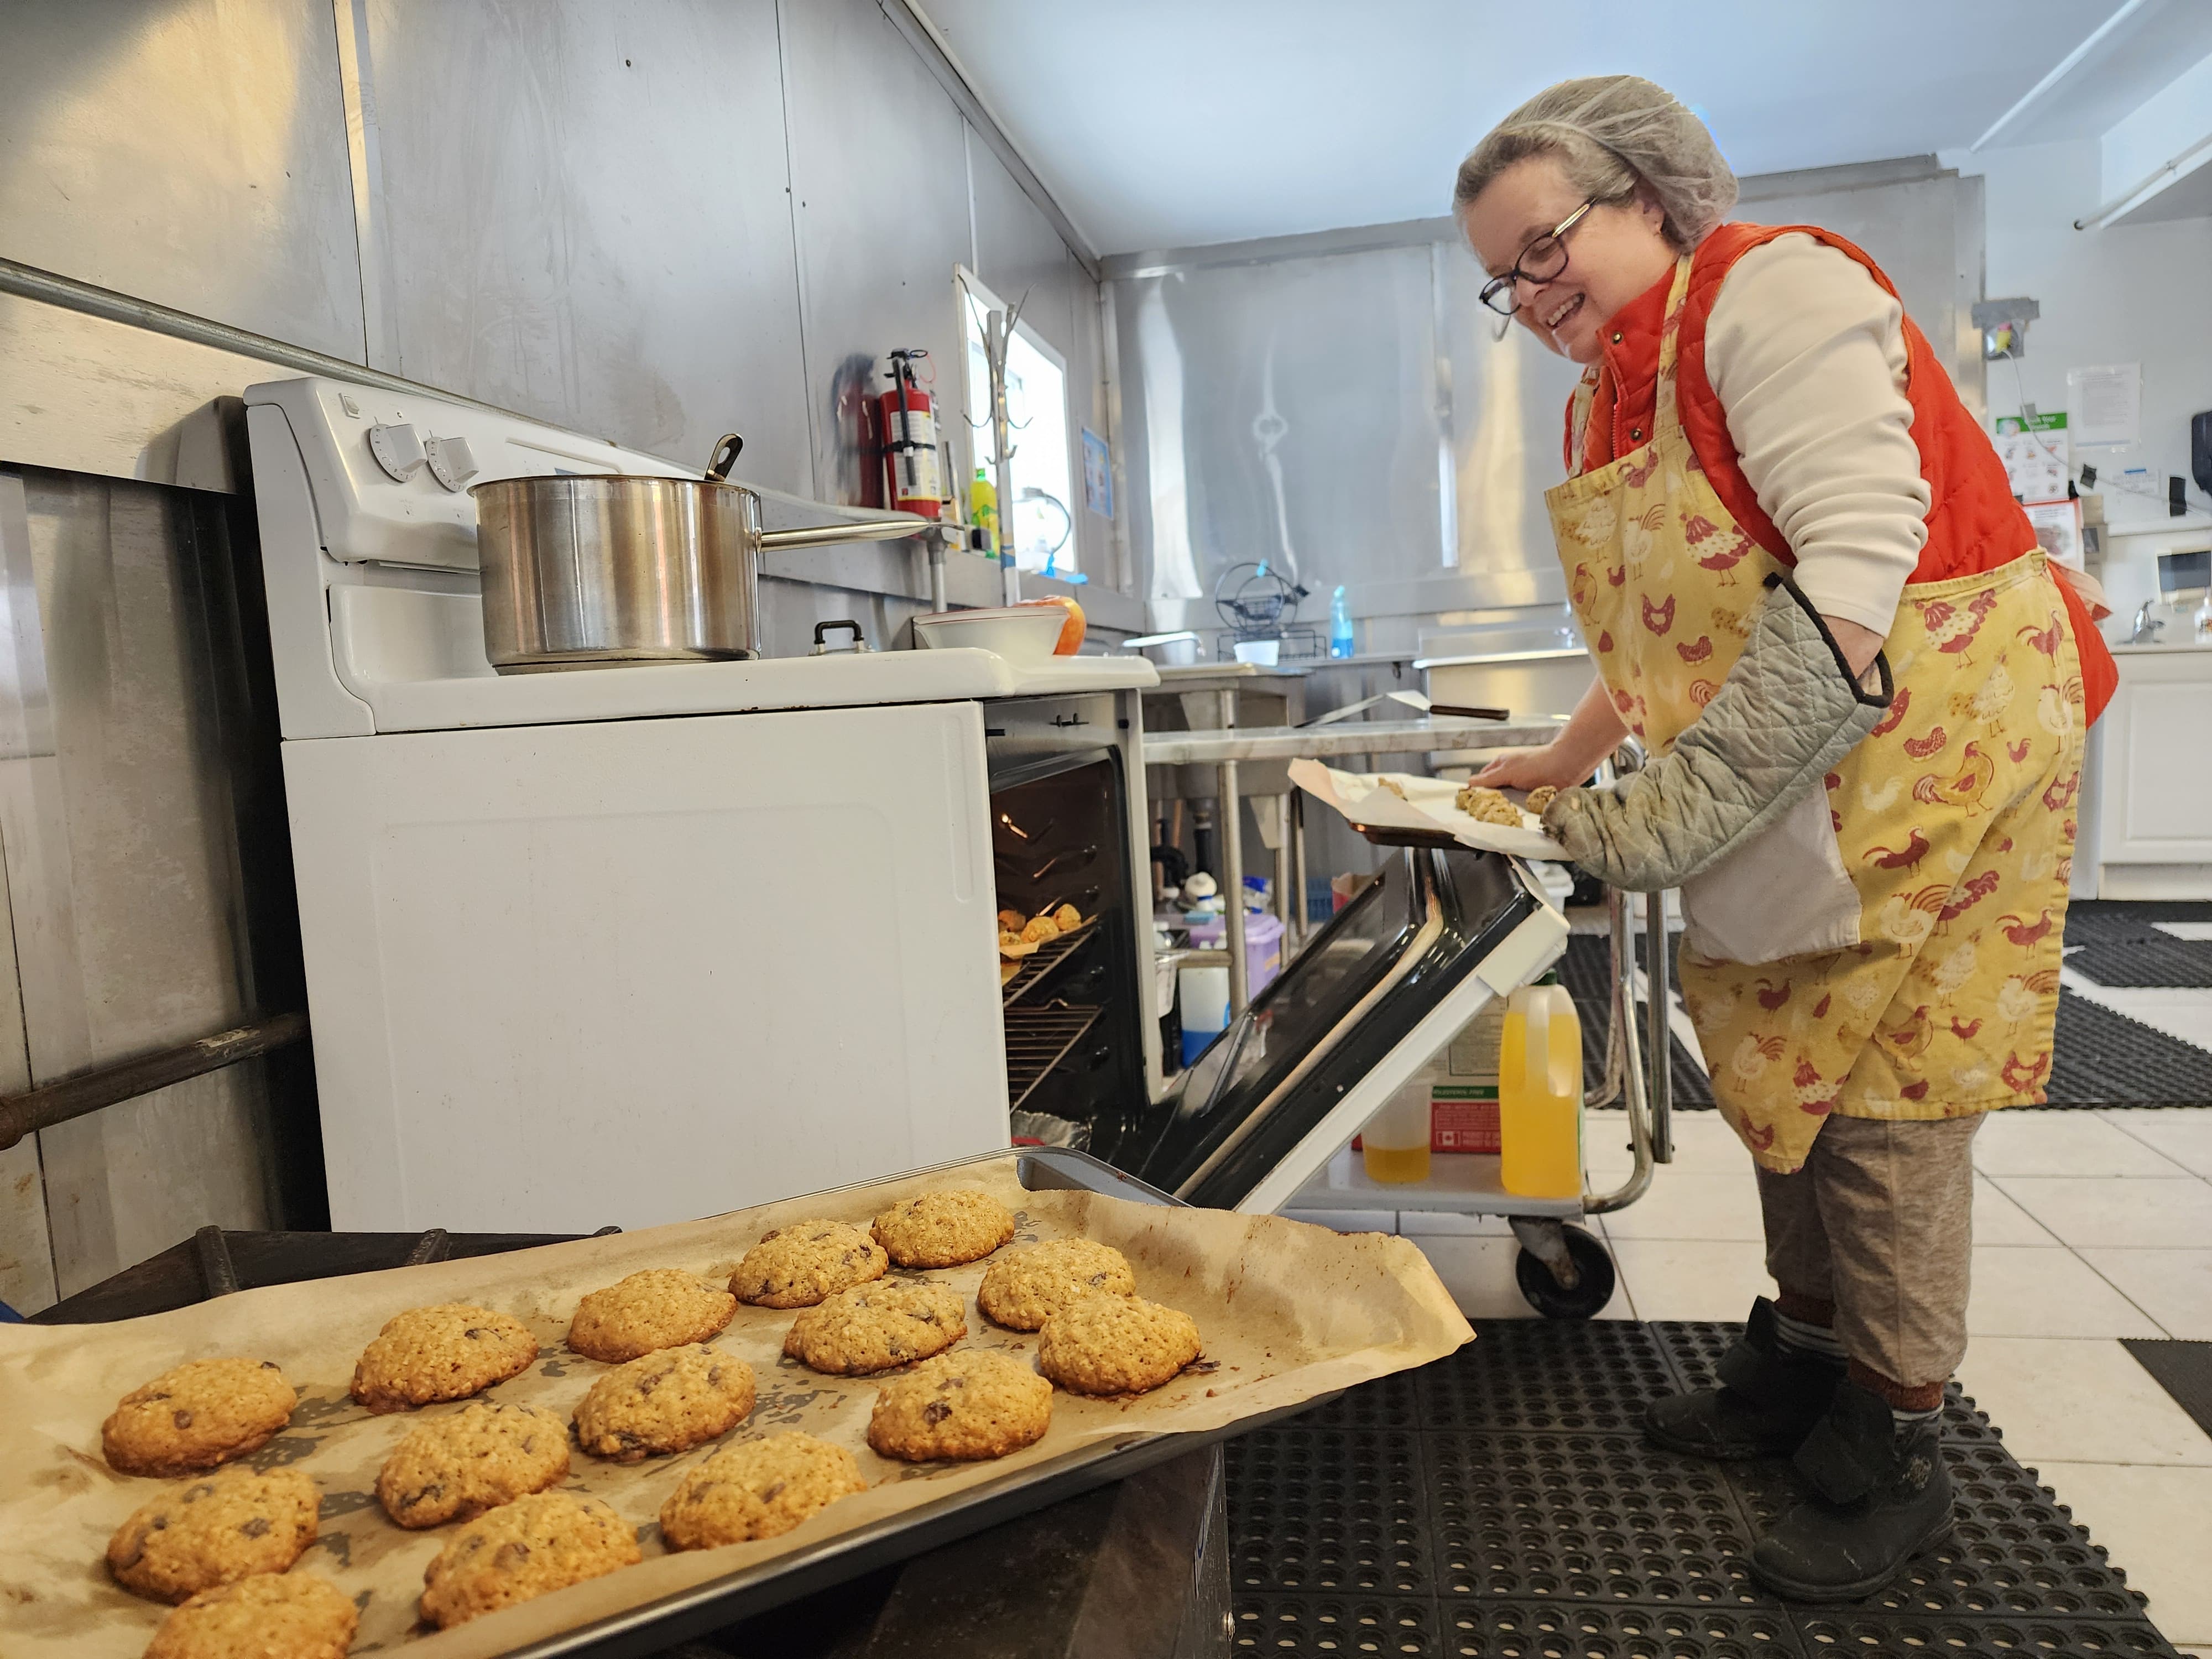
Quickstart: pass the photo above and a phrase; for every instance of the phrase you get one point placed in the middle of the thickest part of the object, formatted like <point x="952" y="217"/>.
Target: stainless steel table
<point x="1230" y="744"/>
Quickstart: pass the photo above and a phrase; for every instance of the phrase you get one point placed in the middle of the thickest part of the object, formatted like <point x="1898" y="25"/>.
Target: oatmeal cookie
<point x="796" y="1266"/>
<point x="476" y="1459"/>
<point x="757" y="1489"/>
<point x="944" y="1230"/>
<point x="214" y="1531"/>
<point x="659" y="1308"/>
<point x="872" y="1327"/>
<point x="1540" y="797"/>
<point x="975" y="1404"/>
<point x="202" y="1414"/>
<point x="446" y="1352"/>
<point x="1022" y="1287"/>
<point x="532" y="1547"/>
<point x="290" y="1615"/>
<point x="1115" y="1345"/>
<point x="668" y="1401"/>
<point x="1487" y="805"/>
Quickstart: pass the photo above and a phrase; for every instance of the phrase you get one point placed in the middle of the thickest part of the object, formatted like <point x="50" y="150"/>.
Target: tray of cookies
<point x="605" y="1444"/>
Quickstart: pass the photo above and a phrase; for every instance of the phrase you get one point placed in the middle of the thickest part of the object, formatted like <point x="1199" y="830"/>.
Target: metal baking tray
<point x="656" y="1625"/>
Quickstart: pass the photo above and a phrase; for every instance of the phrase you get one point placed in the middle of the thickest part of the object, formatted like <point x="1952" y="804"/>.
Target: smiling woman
<point x="1772" y="487"/>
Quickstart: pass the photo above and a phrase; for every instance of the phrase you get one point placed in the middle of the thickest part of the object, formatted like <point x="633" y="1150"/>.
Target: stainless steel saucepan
<point x="590" y="570"/>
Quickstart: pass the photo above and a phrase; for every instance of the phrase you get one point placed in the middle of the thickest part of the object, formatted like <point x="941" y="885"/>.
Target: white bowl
<point x="1265" y="652"/>
<point x="1019" y="633"/>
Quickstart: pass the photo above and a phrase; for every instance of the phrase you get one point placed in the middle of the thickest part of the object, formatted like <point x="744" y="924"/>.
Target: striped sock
<point x="1905" y="1420"/>
<point x="1808" y="1338"/>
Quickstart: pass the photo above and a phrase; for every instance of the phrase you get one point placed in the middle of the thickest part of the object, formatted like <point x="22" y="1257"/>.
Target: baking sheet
<point x="1428" y="804"/>
<point x="1288" y="1312"/>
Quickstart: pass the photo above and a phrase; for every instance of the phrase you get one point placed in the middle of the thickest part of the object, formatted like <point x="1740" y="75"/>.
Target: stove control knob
<point x="452" y="462"/>
<point x="398" y="450"/>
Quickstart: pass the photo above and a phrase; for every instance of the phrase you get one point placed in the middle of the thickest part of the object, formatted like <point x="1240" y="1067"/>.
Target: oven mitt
<point x="1787" y="712"/>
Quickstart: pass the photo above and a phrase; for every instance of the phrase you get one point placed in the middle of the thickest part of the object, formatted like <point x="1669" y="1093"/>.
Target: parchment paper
<point x="1429" y="804"/>
<point x="1287" y="1312"/>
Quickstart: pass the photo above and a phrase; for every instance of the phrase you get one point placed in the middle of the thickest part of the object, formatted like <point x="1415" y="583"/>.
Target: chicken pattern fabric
<point x="1954" y="819"/>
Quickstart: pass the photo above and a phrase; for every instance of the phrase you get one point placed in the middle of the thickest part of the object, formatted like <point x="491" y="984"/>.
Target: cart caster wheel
<point x="1545" y="1293"/>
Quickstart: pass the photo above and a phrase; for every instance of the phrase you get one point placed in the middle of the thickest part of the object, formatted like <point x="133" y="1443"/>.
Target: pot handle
<point x="726" y="449"/>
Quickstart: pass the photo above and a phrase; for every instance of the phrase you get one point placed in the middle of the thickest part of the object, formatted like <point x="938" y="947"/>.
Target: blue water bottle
<point x="1340" y="626"/>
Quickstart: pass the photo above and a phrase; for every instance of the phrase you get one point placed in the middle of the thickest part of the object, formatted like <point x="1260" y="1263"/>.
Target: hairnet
<point x="1603" y="125"/>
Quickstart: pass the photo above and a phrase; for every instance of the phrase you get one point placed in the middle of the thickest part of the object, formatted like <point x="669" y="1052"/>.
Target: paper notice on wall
<point x="2058" y="530"/>
<point x="2105" y="405"/>
<point x="2036" y="460"/>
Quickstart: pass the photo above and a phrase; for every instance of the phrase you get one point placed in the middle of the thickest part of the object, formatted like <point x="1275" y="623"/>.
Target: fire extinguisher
<point x="907" y="429"/>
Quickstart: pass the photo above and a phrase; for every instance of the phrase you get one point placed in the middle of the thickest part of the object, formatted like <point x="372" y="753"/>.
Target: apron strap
<point x="1578" y="419"/>
<point x="1666" y="414"/>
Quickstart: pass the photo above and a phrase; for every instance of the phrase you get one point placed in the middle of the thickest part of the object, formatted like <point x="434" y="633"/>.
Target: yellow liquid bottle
<point x="1394" y="1145"/>
<point x="1540" y="1095"/>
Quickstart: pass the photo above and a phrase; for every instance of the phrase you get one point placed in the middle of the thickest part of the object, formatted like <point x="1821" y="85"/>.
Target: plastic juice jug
<point x="1540" y="1095"/>
<point x="1394" y="1145"/>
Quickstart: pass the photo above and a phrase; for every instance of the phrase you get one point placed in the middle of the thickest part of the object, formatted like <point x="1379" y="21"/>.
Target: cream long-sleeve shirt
<point x="1806" y="353"/>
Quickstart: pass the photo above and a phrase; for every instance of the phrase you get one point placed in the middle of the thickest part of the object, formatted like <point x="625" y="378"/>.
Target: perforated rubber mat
<point x="1501" y="1504"/>
<point x="2121" y="944"/>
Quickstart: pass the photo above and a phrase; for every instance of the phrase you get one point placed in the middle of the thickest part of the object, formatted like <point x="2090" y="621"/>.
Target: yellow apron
<point x="1891" y="950"/>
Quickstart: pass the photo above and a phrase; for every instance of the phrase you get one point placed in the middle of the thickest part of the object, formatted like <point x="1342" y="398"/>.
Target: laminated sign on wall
<point x="2038" y="459"/>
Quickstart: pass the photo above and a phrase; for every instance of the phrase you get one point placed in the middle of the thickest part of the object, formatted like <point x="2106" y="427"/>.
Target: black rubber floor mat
<point x="1500" y="1503"/>
<point x="2121" y="944"/>
<point x="1587" y="972"/>
<point x="2184" y="1370"/>
<point x="2102" y="1058"/>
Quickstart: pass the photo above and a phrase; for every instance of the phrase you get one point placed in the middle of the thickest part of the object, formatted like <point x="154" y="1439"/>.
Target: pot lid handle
<point x="726" y="448"/>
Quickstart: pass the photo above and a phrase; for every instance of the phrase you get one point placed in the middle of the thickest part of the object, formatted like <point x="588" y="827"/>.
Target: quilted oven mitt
<point x="1788" y="711"/>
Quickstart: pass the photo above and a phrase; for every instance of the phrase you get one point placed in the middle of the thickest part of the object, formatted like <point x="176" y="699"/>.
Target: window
<point x="1042" y="512"/>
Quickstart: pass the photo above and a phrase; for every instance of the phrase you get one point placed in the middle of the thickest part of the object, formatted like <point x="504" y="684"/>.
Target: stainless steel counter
<point x="1256" y="743"/>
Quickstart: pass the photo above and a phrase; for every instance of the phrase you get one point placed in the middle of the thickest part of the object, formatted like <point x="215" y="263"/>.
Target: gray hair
<point x="1614" y="134"/>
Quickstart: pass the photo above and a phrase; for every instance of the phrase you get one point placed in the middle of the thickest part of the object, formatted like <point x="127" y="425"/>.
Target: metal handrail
<point x="112" y="1084"/>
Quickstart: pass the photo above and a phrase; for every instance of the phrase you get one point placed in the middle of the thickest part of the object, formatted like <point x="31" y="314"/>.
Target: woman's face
<point x="1614" y="253"/>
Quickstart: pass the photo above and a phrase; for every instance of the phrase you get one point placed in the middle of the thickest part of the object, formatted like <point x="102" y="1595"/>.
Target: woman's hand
<point x="1592" y="732"/>
<point x="1530" y="769"/>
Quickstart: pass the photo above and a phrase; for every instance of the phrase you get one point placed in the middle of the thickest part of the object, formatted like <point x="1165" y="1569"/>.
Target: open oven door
<point x="1375" y="996"/>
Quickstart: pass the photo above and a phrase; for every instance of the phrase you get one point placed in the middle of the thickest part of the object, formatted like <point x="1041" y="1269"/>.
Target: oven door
<point x="1375" y="996"/>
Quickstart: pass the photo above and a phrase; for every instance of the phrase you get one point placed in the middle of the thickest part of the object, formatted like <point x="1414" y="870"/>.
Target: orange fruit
<point x="1071" y="633"/>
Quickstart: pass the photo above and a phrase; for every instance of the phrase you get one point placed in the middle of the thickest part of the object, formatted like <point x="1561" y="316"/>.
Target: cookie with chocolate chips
<point x="529" y="1548"/>
<point x="486" y="1454"/>
<point x="668" y="1401"/>
<point x="797" y="1266"/>
<point x="271" y="1615"/>
<point x="214" y="1531"/>
<point x="757" y="1489"/>
<point x="872" y="1327"/>
<point x="201" y="1414"/>
<point x="975" y="1404"/>
<point x="446" y="1352"/>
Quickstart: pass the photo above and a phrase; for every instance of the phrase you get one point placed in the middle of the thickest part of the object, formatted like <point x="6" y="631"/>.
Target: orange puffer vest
<point x="1973" y="522"/>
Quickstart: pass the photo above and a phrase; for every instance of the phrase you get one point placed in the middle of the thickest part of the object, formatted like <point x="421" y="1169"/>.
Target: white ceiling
<point x="1168" y="122"/>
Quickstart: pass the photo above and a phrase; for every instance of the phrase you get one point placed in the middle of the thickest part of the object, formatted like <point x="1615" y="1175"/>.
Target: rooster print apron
<point x="1890" y="948"/>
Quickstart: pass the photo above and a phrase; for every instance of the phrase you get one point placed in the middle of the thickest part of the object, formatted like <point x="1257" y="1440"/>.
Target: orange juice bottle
<point x="1540" y="1095"/>
<point x="1394" y="1145"/>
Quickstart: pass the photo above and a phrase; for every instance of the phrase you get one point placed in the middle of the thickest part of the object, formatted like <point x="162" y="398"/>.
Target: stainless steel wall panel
<point x="1289" y="413"/>
<point x="1509" y="398"/>
<point x="188" y="151"/>
<point x="119" y="829"/>
<point x="587" y="210"/>
<point x="880" y="175"/>
<point x="1018" y="252"/>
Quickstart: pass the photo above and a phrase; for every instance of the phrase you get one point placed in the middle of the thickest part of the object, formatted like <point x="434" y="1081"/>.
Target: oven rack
<point x="1038" y="1039"/>
<point x="1039" y="963"/>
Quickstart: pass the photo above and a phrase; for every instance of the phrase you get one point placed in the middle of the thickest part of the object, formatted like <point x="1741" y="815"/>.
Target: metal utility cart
<point x="1263" y="1120"/>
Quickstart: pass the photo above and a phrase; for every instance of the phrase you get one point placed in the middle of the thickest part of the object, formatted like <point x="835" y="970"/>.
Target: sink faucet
<point x="2147" y="627"/>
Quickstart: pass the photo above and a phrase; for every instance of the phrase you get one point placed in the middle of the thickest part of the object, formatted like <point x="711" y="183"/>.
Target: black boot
<point x="1881" y="1495"/>
<point x="1769" y="1399"/>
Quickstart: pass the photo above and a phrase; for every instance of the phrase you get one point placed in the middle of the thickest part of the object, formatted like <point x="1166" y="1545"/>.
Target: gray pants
<point x="1879" y="1223"/>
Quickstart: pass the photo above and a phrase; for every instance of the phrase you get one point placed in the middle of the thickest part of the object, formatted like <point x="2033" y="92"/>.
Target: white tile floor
<point x="2089" y="1226"/>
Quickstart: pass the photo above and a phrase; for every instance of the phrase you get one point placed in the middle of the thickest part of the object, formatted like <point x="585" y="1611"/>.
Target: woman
<point x="1811" y="594"/>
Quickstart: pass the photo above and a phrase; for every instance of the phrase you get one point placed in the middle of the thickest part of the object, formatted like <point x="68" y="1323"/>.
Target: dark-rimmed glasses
<point x="1539" y="262"/>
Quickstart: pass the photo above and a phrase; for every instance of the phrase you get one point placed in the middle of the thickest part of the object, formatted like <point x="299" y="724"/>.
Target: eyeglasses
<point x="1539" y="262"/>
